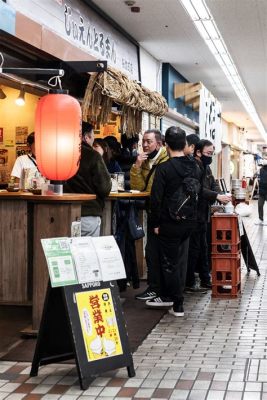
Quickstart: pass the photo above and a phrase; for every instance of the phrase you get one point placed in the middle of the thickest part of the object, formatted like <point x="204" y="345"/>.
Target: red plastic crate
<point x="226" y="270"/>
<point x="222" y="249"/>
<point x="223" y="291"/>
<point x="226" y="277"/>
<point x="225" y="264"/>
<point x="225" y="229"/>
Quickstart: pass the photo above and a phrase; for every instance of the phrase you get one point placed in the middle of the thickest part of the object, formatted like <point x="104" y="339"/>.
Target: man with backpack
<point x="174" y="196"/>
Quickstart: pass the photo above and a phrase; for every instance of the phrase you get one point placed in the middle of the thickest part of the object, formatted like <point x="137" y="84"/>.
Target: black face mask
<point x="153" y="154"/>
<point x="206" y="160"/>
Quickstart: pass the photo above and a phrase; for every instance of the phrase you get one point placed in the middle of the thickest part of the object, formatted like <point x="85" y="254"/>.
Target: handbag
<point x="135" y="228"/>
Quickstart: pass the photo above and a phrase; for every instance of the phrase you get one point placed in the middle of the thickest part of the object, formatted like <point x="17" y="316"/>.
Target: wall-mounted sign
<point x="81" y="26"/>
<point x="210" y="123"/>
<point x="21" y="134"/>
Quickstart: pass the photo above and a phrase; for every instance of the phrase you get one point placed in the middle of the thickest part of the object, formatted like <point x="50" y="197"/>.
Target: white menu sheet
<point x="86" y="259"/>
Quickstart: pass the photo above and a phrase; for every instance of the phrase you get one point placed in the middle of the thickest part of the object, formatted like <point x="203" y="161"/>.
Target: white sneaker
<point x="178" y="312"/>
<point x="259" y="222"/>
<point x="159" y="302"/>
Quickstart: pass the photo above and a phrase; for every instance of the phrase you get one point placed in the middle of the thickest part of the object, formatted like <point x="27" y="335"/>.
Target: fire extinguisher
<point x="244" y="183"/>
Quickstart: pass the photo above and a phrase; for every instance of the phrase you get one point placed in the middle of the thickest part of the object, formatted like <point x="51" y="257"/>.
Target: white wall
<point x="226" y="157"/>
<point x="150" y="71"/>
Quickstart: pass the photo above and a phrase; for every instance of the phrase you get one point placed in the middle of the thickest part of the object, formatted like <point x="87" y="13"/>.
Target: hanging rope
<point x="111" y="86"/>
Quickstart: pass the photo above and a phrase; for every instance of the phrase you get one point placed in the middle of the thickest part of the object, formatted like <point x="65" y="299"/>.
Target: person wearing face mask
<point x="141" y="178"/>
<point x="198" y="247"/>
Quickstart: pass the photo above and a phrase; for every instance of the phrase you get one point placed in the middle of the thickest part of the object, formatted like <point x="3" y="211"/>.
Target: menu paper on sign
<point x="85" y="258"/>
<point x="110" y="259"/>
<point x="59" y="260"/>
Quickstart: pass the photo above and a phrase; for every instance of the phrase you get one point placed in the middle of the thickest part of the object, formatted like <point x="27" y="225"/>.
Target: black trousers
<point x="198" y="259"/>
<point x="174" y="243"/>
<point x="261" y="201"/>
<point x="152" y="255"/>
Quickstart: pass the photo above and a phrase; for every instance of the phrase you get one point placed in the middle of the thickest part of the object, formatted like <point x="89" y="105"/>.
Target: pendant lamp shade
<point x="58" y="136"/>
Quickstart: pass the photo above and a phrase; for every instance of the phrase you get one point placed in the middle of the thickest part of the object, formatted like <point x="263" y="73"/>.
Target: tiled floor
<point x="216" y="352"/>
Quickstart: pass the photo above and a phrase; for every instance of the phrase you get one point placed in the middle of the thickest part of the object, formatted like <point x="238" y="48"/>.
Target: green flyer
<point x="60" y="262"/>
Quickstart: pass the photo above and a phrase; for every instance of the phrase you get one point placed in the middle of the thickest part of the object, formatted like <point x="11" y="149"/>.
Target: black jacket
<point x="91" y="178"/>
<point x="165" y="183"/>
<point x="210" y="190"/>
<point x="263" y="181"/>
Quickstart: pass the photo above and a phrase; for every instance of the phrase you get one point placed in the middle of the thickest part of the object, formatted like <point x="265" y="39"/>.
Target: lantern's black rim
<point x="58" y="91"/>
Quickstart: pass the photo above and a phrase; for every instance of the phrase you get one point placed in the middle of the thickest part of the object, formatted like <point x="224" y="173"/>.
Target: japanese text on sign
<point x="99" y="325"/>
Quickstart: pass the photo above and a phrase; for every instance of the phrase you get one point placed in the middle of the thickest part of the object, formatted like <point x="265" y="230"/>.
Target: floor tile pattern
<point x="216" y="352"/>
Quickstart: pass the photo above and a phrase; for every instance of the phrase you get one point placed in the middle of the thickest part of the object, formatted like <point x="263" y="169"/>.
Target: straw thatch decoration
<point x="111" y="86"/>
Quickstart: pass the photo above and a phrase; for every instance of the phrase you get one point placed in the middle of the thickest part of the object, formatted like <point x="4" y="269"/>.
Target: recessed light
<point x="135" y="9"/>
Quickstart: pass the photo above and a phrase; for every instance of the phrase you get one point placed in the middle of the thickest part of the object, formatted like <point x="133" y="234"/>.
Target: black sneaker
<point x="146" y="295"/>
<point x="159" y="302"/>
<point x="177" y="311"/>
<point x="206" y="285"/>
<point x="195" y="289"/>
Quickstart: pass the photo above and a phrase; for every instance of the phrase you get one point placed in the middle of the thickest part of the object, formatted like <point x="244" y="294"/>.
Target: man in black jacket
<point x="91" y="178"/>
<point x="172" y="234"/>
<point x="198" y="247"/>
<point x="262" y="193"/>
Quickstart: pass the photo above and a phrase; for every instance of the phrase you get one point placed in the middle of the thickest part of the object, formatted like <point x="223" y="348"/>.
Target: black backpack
<point x="182" y="204"/>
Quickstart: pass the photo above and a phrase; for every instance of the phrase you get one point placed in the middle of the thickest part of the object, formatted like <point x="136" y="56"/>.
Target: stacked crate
<point x="225" y="256"/>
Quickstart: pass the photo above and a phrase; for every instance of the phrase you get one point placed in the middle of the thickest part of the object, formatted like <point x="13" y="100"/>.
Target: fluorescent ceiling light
<point x="211" y="29"/>
<point x="219" y="46"/>
<point x="190" y="9"/>
<point x="232" y="69"/>
<point x="220" y="61"/>
<point x="212" y="47"/>
<point x="226" y="58"/>
<point x="202" y="30"/>
<point x="201" y="9"/>
<point x="205" y="24"/>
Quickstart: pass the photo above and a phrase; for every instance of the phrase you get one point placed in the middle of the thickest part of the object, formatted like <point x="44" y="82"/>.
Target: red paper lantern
<point x="58" y="136"/>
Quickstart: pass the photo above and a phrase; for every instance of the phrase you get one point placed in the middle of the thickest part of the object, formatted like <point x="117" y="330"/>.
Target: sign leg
<point x="131" y="371"/>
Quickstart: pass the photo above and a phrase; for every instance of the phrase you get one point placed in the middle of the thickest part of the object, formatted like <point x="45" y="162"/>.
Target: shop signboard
<point x="210" y="124"/>
<point x="98" y="324"/>
<point x="78" y="24"/>
<point x="82" y="316"/>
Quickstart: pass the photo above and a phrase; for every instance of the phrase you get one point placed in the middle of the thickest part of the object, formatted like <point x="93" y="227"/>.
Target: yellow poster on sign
<point x="99" y="324"/>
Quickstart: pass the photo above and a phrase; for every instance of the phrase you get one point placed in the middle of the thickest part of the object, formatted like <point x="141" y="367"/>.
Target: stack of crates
<point x="225" y="256"/>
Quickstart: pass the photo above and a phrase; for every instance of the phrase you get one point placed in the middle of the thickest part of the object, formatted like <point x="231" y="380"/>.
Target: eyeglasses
<point x="209" y="153"/>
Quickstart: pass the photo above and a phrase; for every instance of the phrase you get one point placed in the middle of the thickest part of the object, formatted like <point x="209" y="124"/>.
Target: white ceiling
<point x="164" y="29"/>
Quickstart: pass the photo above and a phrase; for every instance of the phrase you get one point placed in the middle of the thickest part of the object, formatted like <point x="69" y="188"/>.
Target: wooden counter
<point x="26" y="219"/>
<point x="107" y="214"/>
<point x="106" y="228"/>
